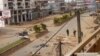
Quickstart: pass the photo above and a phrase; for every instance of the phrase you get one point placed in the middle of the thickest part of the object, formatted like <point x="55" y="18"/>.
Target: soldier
<point x="74" y="32"/>
<point x="81" y="34"/>
<point x="67" y="31"/>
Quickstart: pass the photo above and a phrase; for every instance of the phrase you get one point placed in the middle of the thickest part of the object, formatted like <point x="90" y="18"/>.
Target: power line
<point x="86" y="23"/>
<point x="50" y="38"/>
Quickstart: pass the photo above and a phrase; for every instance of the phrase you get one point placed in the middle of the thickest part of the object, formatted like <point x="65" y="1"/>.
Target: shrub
<point x="70" y="13"/>
<point x="64" y="17"/>
<point x="37" y="29"/>
<point x="44" y="27"/>
<point x="56" y="20"/>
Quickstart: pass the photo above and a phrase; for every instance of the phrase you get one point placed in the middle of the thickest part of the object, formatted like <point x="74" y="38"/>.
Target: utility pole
<point x="60" y="48"/>
<point x="78" y="26"/>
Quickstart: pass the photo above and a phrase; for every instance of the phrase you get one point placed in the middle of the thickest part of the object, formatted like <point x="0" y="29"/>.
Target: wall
<point x="1" y="4"/>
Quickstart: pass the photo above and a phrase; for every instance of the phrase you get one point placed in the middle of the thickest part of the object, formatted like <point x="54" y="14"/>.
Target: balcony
<point x="10" y="0"/>
<point x="19" y="0"/>
<point x="19" y="3"/>
<point x="20" y="7"/>
<point x="27" y="5"/>
<point x="27" y="0"/>
<point x="10" y="4"/>
<point x="91" y="44"/>
<point x="11" y="8"/>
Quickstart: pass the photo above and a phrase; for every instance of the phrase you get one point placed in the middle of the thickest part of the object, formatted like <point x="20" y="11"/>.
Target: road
<point x="9" y="34"/>
<point x="71" y="25"/>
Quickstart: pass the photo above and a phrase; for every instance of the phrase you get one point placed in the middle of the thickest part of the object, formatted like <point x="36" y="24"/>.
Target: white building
<point x="24" y="10"/>
<point x="21" y="10"/>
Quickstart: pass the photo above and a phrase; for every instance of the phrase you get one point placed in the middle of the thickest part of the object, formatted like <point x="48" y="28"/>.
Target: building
<point x="91" y="5"/>
<point x="21" y="10"/>
<point x="27" y="10"/>
<point x="52" y="6"/>
<point x="80" y="4"/>
<point x="57" y="5"/>
<point x="42" y="7"/>
<point x="98" y="5"/>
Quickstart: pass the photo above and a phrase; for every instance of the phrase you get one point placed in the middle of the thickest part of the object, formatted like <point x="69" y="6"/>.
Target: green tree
<point x="65" y="17"/>
<point x="37" y="29"/>
<point x="44" y="27"/>
<point x="56" y="20"/>
<point x="70" y="13"/>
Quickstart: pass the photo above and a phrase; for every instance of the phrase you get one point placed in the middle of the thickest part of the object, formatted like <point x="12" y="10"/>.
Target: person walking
<point x="81" y="34"/>
<point x="74" y="32"/>
<point x="67" y="31"/>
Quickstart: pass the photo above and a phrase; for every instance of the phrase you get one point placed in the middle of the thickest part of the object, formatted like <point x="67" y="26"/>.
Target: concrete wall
<point x="1" y="4"/>
<point x="96" y="47"/>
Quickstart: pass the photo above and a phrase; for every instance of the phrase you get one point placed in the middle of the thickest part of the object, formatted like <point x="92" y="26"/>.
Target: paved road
<point x="71" y="40"/>
<point x="9" y="34"/>
<point x="71" y="25"/>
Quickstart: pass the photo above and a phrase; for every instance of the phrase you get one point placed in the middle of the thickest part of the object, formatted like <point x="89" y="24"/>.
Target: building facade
<point x="21" y="10"/>
<point x="91" y="5"/>
<point x="80" y="3"/>
<point x="27" y="10"/>
<point x="57" y="5"/>
<point x="52" y="5"/>
<point x="98" y="4"/>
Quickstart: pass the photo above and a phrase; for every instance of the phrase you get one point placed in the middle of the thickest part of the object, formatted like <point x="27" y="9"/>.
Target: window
<point x="5" y="5"/>
<point x="15" y="12"/>
<point x="0" y="13"/>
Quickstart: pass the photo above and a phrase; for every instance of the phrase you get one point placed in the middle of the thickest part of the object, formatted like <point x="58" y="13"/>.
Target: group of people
<point x="74" y="32"/>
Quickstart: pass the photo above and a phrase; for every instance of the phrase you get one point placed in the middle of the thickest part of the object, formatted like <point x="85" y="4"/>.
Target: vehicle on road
<point x="24" y="34"/>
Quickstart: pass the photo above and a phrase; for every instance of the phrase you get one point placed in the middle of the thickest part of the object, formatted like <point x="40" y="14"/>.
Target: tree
<point x="70" y="13"/>
<point x="37" y="29"/>
<point x="56" y="20"/>
<point x="44" y="27"/>
<point x="64" y="17"/>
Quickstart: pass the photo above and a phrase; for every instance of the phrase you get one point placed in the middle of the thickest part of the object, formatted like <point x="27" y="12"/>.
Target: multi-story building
<point x="21" y="10"/>
<point x="42" y="7"/>
<point x="57" y="5"/>
<point x="91" y="5"/>
<point x="26" y="10"/>
<point x="53" y="5"/>
<point x="98" y="6"/>
<point x="80" y="4"/>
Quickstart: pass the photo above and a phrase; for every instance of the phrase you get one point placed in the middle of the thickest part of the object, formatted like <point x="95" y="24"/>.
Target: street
<point x="9" y="34"/>
<point x="70" y="41"/>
